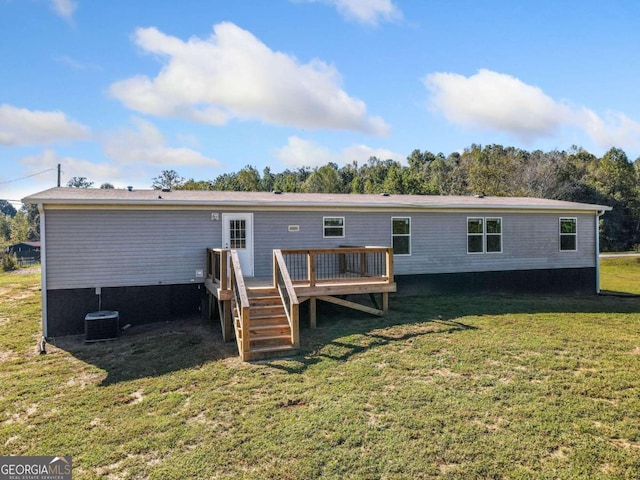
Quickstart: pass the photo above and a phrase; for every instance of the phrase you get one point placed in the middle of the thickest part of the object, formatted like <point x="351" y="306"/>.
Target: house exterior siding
<point x="118" y="248"/>
<point x="144" y="249"/>
<point x="115" y="248"/>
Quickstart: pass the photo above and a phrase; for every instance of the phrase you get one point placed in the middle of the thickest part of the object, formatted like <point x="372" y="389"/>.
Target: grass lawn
<point x="620" y="274"/>
<point x="447" y="386"/>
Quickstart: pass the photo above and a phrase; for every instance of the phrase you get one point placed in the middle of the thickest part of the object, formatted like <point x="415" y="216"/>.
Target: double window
<point x="401" y="235"/>
<point x="333" y="227"/>
<point x="484" y="235"/>
<point x="568" y="234"/>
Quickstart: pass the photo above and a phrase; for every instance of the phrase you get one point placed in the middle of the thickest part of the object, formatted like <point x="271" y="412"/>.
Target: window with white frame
<point x="333" y="226"/>
<point x="484" y="235"/>
<point x="568" y="234"/>
<point x="493" y="235"/>
<point x="401" y="235"/>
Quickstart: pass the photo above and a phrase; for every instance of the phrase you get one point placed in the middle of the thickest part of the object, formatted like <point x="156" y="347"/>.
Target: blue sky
<point x="118" y="91"/>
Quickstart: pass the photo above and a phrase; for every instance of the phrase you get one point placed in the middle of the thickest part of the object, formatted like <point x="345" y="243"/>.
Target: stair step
<point x="273" y="348"/>
<point x="270" y="337"/>
<point x="262" y="292"/>
<point x="278" y="327"/>
<point x="259" y="353"/>
<point x="266" y="310"/>
<point x="269" y="320"/>
<point x="265" y="301"/>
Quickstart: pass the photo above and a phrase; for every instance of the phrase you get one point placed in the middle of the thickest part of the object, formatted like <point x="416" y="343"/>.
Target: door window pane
<point x="237" y="234"/>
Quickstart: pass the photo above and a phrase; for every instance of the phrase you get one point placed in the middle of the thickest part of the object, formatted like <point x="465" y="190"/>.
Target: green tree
<point x="19" y="228"/>
<point x="7" y="209"/>
<point x="168" y="179"/>
<point x="248" y="179"/>
<point x="267" y="181"/>
<point x="192" y="184"/>
<point x="79" y="182"/>
<point x="226" y="182"/>
<point x="5" y="230"/>
<point x="106" y="186"/>
<point x="33" y="218"/>
<point x="323" y="180"/>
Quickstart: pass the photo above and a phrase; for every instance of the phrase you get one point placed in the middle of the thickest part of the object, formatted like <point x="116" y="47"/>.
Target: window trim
<point x="408" y="235"/>
<point x="560" y="234"/>
<point x="484" y="235"/>
<point x="324" y="227"/>
<point x="481" y="234"/>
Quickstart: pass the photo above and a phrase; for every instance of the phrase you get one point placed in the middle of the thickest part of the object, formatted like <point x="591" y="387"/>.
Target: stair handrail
<point x="241" y="297"/>
<point x="282" y="281"/>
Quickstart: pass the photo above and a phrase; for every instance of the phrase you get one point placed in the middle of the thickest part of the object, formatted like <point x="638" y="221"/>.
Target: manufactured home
<point x="153" y="255"/>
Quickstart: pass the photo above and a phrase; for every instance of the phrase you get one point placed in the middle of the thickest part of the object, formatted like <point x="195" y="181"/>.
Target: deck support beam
<point x="356" y="306"/>
<point x="226" y="320"/>
<point x="313" y="317"/>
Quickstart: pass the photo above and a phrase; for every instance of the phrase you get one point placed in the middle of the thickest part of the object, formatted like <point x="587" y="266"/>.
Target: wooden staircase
<point x="269" y="330"/>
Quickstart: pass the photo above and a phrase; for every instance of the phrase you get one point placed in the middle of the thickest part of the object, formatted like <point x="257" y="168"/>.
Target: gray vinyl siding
<point x="438" y="240"/>
<point x="126" y="248"/>
<point x="147" y="247"/>
<point x="529" y="241"/>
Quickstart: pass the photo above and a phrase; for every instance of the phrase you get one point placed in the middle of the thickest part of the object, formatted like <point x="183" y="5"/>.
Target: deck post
<point x="227" y="321"/>
<point x="295" y="330"/>
<point x="385" y="302"/>
<point x="312" y="312"/>
<point x="224" y="276"/>
<point x="275" y="271"/>
<point x="311" y="265"/>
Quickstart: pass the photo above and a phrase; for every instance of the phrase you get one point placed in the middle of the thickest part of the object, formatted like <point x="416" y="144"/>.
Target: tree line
<point x="493" y="170"/>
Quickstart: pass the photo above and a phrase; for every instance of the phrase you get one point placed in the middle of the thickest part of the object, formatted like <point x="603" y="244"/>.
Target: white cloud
<point x="76" y="64"/>
<point x="499" y="102"/>
<point x="20" y="126"/>
<point x="64" y="8"/>
<point x="369" y="12"/>
<point x="304" y="153"/>
<point x="71" y="167"/>
<point x="495" y="101"/>
<point x="233" y="75"/>
<point x="146" y="145"/>
<point x="617" y="130"/>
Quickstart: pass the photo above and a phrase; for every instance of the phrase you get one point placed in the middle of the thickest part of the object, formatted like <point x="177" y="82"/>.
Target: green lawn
<point x="448" y="387"/>
<point x="620" y="275"/>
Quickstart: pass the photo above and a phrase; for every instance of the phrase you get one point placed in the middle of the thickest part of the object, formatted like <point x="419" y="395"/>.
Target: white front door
<point x="237" y="234"/>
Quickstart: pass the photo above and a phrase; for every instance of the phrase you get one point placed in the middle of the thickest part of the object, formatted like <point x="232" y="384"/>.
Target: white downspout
<point x="598" y="215"/>
<point x="43" y="269"/>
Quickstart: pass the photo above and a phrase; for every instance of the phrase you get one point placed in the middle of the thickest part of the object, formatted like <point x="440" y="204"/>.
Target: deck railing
<point x="241" y="310"/>
<point x="217" y="266"/>
<point x="282" y="281"/>
<point x="339" y="265"/>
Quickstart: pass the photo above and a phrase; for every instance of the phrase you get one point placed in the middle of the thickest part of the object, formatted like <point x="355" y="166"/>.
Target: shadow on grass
<point x="341" y="349"/>
<point x="343" y="333"/>
<point x="152" y="350"/>
<point x="157" y="349"/>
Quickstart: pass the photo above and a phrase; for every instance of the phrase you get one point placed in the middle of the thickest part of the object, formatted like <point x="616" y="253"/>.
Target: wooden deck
<point x="298" y="276"/>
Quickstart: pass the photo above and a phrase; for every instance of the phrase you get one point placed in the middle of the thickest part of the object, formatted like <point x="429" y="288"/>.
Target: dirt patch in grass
<point x="8" y="355"/>
<point x="627" y="444"/>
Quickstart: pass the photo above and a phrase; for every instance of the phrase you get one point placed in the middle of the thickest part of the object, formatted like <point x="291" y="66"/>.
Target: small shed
<point x="26" y="252"/>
